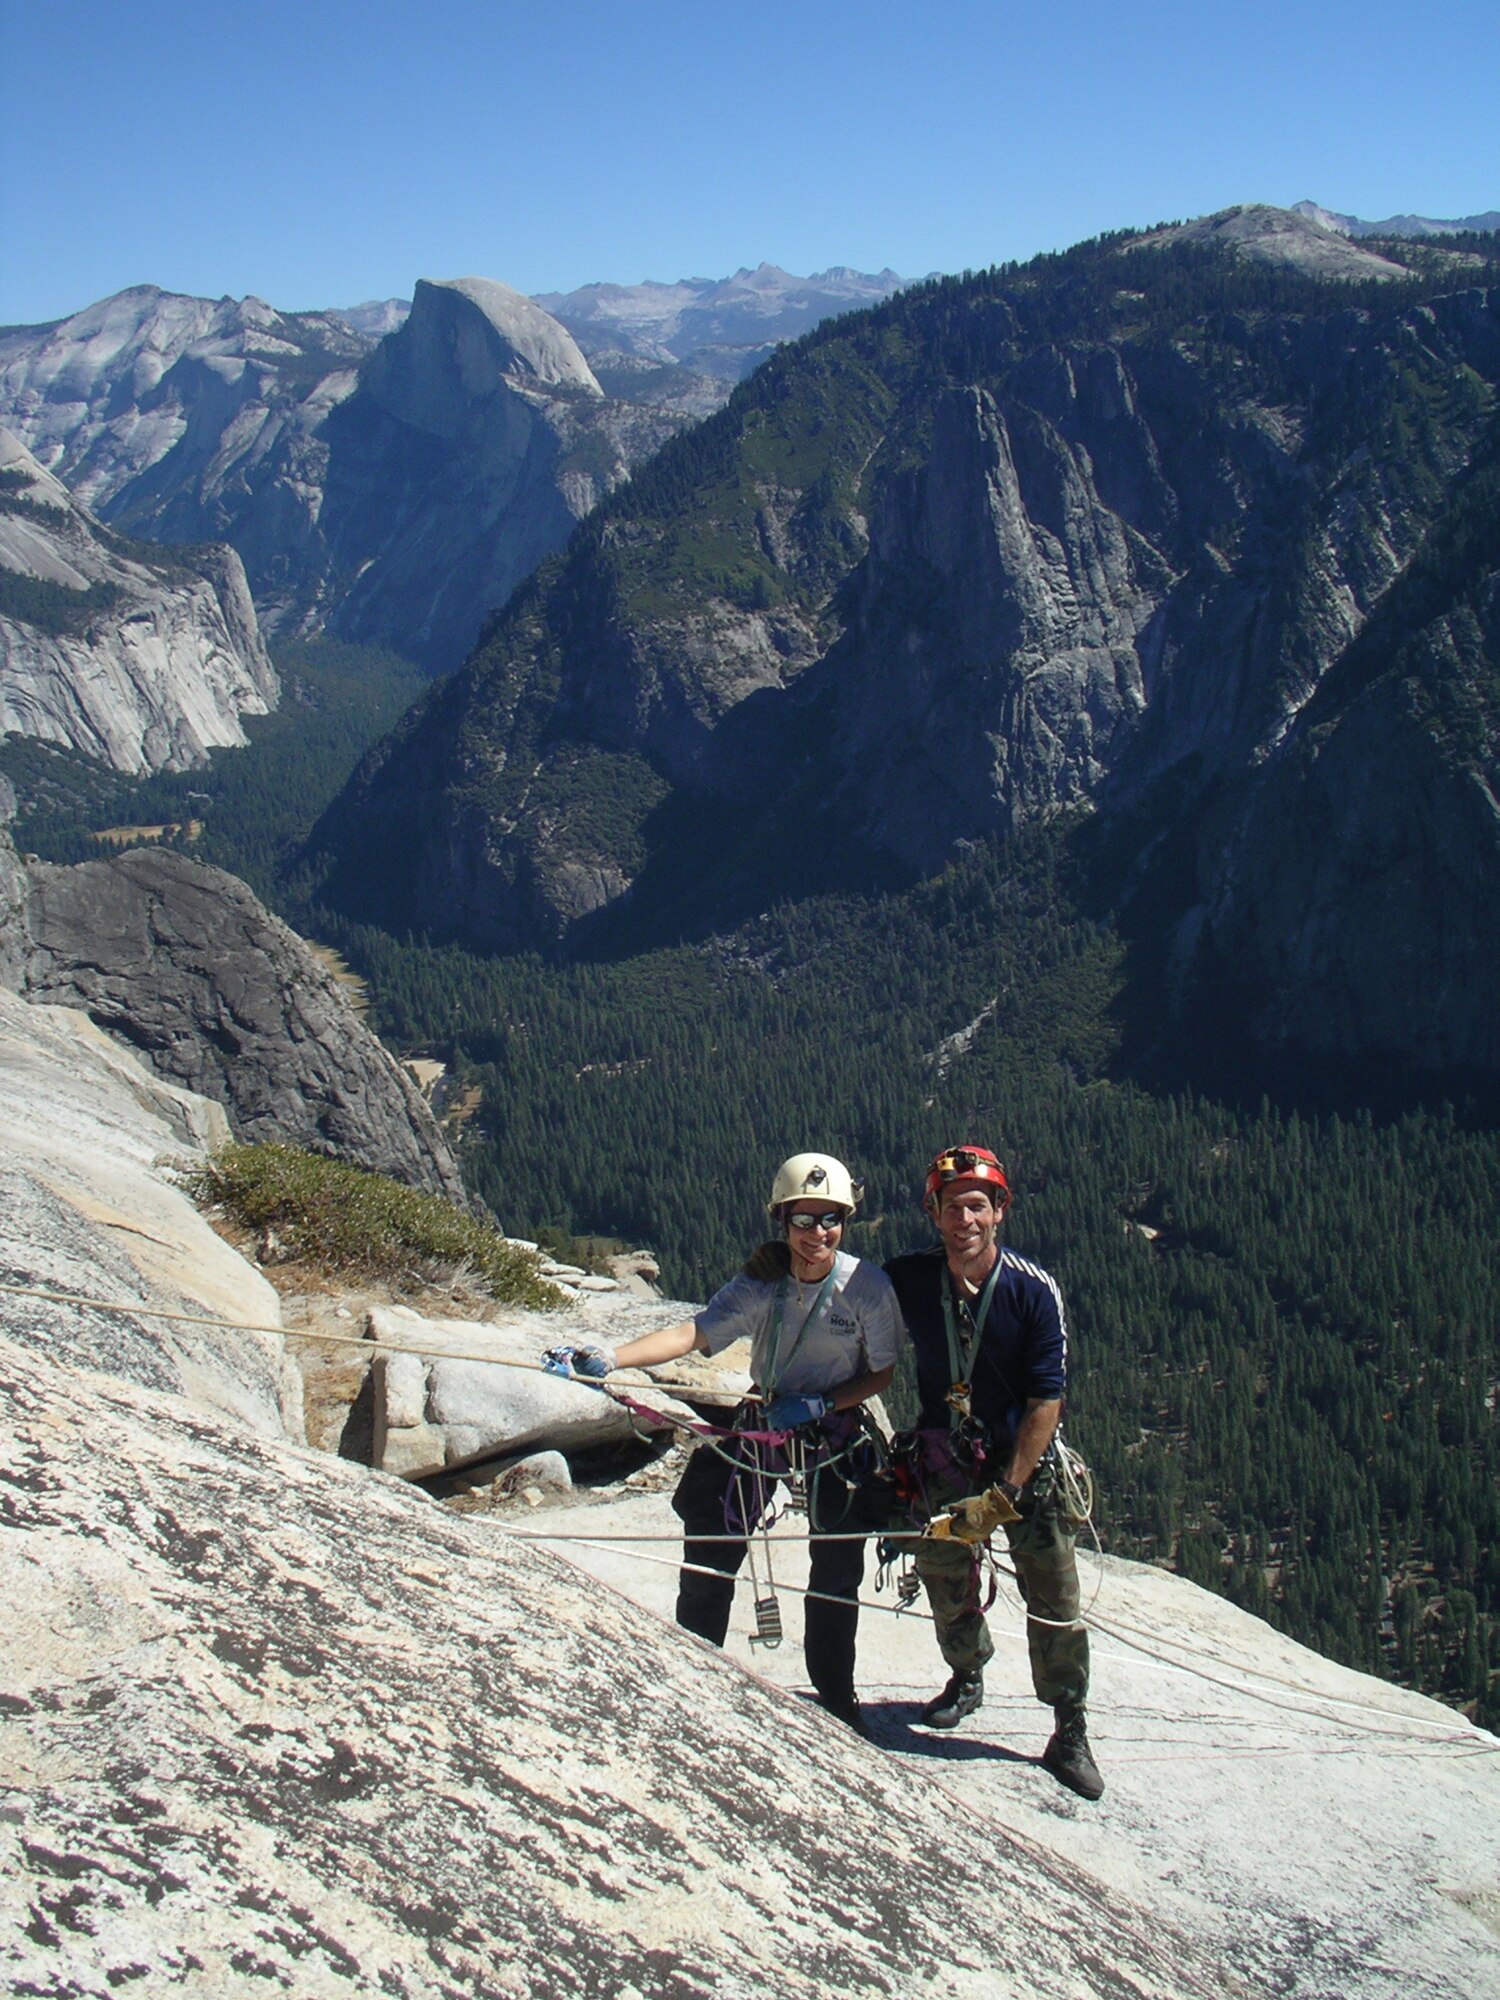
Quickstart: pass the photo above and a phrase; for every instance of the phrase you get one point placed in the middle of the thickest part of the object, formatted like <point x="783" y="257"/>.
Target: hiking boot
<point x="845" y="1708"/>
<point x="963" y="1694"/>
<point x="1068" y="1757"/>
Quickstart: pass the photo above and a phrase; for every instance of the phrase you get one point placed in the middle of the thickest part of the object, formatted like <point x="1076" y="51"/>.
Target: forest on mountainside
<point x="253" y="808"/>
<point x="1285" y="1326"/>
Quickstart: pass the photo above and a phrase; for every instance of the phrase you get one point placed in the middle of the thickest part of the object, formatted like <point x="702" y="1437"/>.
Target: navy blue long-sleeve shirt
<point x="1022" y="1356"/>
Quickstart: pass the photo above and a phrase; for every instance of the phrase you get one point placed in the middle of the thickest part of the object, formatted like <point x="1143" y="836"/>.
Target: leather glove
<point x="770" y="1262"/>
<point x="592" y="1364"/>
<point x="974" y="1519"/>
<point x="786" y="1413"/>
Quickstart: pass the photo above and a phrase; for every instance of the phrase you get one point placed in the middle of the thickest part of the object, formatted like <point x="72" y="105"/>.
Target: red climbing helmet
<point x="966" y="1163"/>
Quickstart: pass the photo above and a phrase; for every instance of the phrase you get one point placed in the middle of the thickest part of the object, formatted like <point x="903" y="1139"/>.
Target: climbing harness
<point x="780" y="1472"/>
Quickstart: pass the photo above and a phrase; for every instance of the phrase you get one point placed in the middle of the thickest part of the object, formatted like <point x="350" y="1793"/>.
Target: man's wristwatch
<point x="1011" y="1491"/>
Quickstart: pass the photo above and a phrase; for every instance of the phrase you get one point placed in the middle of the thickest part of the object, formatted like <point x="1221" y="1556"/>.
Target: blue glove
<point x="786" y="1413"/>
<point x="591" y="1363"/>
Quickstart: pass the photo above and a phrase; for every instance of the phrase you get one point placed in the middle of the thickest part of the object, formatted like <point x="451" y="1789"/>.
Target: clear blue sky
<point x="331" y="151"/>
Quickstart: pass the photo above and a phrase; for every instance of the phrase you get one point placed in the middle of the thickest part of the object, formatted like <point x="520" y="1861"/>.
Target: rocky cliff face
<point x="476" y="440"/>
<point x="400" y="504"/>
<point x="957" y="566"/>
<point x="1350" y="879"/>
<point x="90" y="1147"/>
<point x="143" y="660"/>
<point x="183" y="965"/>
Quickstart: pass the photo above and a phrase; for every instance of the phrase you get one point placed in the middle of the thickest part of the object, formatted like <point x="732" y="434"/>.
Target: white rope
<point x="730" y="1576"/>
<point x="1368" y="1715"/>
<point x="678" y="1535"/>
<point x="368" y="1344"/>
<point x="1410" y="1728"/>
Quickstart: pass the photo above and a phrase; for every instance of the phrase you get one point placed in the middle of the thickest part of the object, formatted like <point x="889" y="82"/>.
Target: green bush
<point x="361" y="1223"/>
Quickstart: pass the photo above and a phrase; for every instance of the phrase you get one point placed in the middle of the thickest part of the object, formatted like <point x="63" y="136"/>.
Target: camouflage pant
<point x="1041" y="1547"/>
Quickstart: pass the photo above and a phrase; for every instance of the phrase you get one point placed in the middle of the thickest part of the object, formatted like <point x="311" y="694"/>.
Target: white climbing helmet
<point x="815" y="1177"/>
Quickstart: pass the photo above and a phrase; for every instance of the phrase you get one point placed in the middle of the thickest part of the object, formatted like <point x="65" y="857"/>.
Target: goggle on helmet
<point x="966" y="1163"/>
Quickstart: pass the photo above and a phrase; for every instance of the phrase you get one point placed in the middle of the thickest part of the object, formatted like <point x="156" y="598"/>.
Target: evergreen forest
<point x="1283" y="1323"/>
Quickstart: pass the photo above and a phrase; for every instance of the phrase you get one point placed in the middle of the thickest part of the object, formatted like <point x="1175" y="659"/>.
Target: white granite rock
<point x="166" y="663"/>
<point x="496" y="1401"/>
<point x="274" y="1723"/>
<point x="401" y="1389"/>
<point x="90" y="1143"/>
<point x="545" y="1470"/>
<point x="1324" y="1835"/>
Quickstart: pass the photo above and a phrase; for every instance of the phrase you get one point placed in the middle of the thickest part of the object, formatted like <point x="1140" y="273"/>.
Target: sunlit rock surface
<point x="90" y="1147"/>
<point x="1316" y="1831"/>
<point x="143" y="660"/>
<point x="385" y="476"/>
<point x="270" y="1717"/>
<point x="440" y="1401"/>
<point x="1269" y="235"/>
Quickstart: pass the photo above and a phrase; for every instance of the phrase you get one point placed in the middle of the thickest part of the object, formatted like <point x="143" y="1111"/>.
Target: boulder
<point x="184" y="964"/>
<point x="495" y="1403"/>
<point x="636" y="1272"/>
<point x="541" y="1472"/>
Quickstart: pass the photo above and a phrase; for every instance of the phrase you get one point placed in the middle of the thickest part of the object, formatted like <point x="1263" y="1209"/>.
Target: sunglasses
<point x="830" y="1218"/>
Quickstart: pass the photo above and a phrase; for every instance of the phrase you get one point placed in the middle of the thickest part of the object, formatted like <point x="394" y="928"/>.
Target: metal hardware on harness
<point x="796" y="1485"/>
<point x="767" y="1631"/>
<point x="958" y="1398"/>
<point x="891" y="1553"/>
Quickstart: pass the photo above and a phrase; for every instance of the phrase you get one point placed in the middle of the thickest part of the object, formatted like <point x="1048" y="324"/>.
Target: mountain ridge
<point x="1127" y="543"/>
<point x="1397" y="225"/>
<point x="329" y="446"/>
<point x="403" y="484"/>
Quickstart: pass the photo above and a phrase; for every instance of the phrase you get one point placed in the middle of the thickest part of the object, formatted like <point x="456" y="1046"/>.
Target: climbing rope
<point x="1078" y="1497"/>
<point x="367" y="1344"/>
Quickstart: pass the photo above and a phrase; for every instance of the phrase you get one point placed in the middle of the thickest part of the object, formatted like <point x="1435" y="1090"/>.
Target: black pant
<point x="718" y="1496"/>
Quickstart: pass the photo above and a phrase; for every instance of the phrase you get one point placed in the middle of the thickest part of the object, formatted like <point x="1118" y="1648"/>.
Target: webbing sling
<point x="779" y="1367"/>
<point x="962" y="1354"/>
